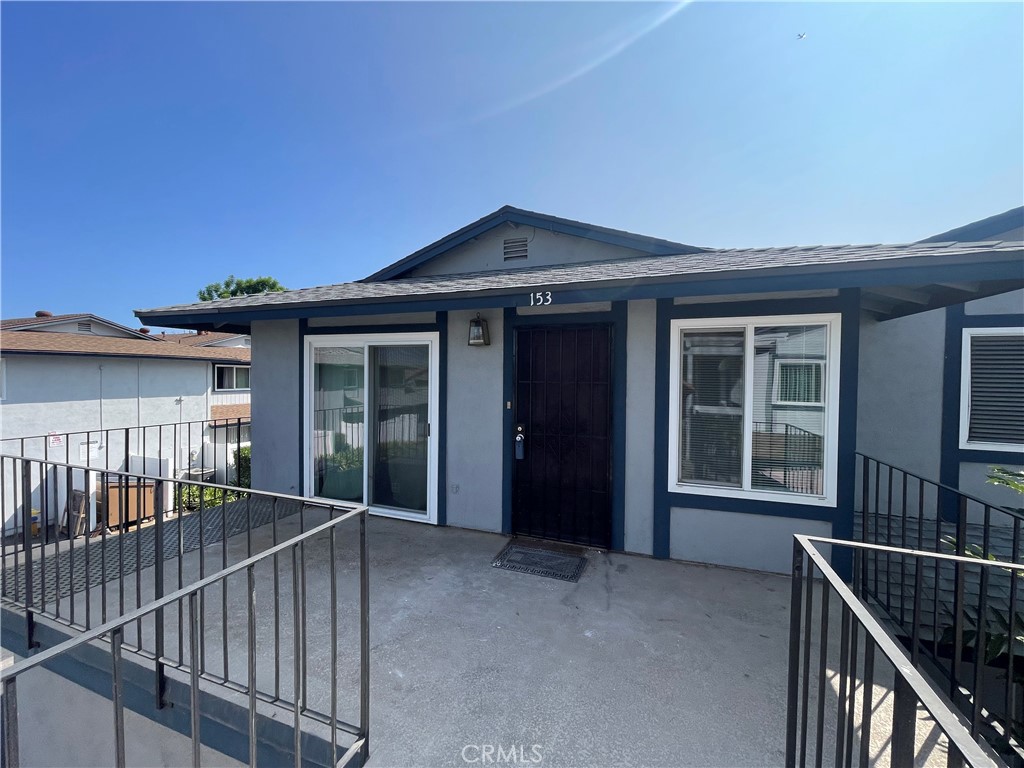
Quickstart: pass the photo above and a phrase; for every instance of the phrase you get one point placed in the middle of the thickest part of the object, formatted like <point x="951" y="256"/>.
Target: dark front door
<point x="561" y="477"/>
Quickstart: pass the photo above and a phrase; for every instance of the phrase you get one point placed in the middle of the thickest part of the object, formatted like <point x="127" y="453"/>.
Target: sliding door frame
<point x="430" y="339"/>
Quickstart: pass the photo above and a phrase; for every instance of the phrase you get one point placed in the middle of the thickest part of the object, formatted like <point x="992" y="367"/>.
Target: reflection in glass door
<point x="371" y="403"/>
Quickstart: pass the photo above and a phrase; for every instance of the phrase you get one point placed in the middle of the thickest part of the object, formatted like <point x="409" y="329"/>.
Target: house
<point x="534" y="375"/>
<point x="954" y="406"/>
<point x="80" y="388"/>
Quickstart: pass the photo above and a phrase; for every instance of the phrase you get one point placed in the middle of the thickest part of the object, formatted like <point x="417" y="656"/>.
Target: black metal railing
<point x="257" y="670"/>
<point x="787" y="457"/>
<point x="960" y="605"/>
<point x="87" y="581"/>
<point x="209" y="450"/>
<point x="854" y="691"/>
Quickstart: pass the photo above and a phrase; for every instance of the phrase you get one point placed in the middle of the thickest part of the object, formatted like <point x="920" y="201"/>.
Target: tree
<point x="239" y="287"/>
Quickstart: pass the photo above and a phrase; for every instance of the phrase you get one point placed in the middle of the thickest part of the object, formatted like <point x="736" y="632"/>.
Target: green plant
<point x="1008" y="478"/>
<point x="191" y="495"/>
<point x="348" y="458"/>
<point x="243" y="466"/>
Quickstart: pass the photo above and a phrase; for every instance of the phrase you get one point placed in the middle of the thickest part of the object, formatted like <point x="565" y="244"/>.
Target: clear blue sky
<point x="149" y="149"/>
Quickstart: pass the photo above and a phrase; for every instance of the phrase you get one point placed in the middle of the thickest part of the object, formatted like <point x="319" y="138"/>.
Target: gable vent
<point x="997" y="389"/>
<point x="515" y="248"/>
<point x="85" y="327"/>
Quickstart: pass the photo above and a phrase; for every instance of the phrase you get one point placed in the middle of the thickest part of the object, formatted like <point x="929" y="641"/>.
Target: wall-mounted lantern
<point x="479" y="336"/>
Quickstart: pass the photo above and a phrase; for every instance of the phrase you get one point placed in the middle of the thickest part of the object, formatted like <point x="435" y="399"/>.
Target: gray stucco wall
<point x="487" y="252"/>
<point x="475" y="414"/>
<point x="640" y="347"/>
<point x="899" y="391"/>
<point x="1003" y="303"/>
<point x="758" y="542"/>
<point x="276" y="406"/>
<point x="973" y="482"/>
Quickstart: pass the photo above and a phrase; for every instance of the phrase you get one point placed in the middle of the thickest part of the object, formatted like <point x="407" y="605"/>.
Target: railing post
<point x="10" y="723"/>
<point x="158" y="591"/>
<point x="26" y="540"/>
<point x="958" y="601"/>
<point x="364" y="639"/>
<point x="117" y="695"/>
<point x="793" y="690"/>
<point x="904" y="722"/>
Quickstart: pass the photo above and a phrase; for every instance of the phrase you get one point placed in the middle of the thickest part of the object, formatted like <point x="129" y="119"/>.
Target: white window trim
<point x="831" y="396"/>
<point x="965" y="390"/>
<point x="231" y="389"/>
<point x="801" y="403"/>
<point x="429" y="339"/>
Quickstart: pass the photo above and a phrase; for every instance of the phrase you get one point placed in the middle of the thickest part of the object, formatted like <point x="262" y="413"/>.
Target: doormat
<point x="541" y="562"/>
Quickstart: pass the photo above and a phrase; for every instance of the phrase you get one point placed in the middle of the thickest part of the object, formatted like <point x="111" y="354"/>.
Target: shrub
<point x="243" y="467"/>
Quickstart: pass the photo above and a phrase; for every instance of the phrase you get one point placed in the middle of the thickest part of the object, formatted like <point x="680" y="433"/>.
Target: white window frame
<point x="234" y="375"/>
<point x="965" y="390"/>
<point x="778" y="379"/>
<point x="432" y="341"/>
<point x="831" y="404"/>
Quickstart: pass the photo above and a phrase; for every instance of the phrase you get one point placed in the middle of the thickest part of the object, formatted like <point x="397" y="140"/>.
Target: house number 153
<point x="540" y="299"/>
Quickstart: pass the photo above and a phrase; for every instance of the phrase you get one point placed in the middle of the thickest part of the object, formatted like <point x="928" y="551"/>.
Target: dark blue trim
<point x="815" y="277"/>
<point x="781" y="508"/>
<point x="442" y="418"/>
<point x="953" y="456"/>
<point x="508" y="414"/>
<point x="617" y="318"/>
<point x="847" y="304"/>
<point x="991" y="321"/>
<point x="846" y="453"/>
<point x="662" y="534"/>
<point x="971" y="456"/>
<point x="650" y="245"/>
<point x="365" y="329"/>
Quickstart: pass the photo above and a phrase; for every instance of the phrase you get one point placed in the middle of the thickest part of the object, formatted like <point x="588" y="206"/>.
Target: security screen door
<point x="372" y="403"/>
<point x="561" y="474"/>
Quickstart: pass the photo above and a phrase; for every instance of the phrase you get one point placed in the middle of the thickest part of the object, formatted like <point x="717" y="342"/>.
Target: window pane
<point x="787" y="445"/>
<point x="241" y="378"/>
<point x="338" y="440"/>
<point x="225" y="378"/>
<point x="711" y="416"/>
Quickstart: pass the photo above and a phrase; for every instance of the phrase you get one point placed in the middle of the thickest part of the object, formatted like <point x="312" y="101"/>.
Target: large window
<point x="232" y="377"/>
<point x="992" y="389"/>
<point x="754" y="407"/>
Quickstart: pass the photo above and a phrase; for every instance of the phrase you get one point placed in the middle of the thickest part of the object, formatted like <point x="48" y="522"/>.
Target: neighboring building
<point x="88" y="384"/>
<point x="533" y="375"/>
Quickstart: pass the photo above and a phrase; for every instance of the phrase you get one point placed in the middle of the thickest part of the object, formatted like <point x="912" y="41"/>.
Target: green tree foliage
<point x="235" y="286"/>
<point x="1013" y="479"/>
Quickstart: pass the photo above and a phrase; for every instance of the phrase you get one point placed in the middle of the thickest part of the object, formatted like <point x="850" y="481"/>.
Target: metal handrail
<point x="910" y="684"/>
<point x="942" y="486"/>
<point x="229" y="421"/>
<point x="115" y="628"/>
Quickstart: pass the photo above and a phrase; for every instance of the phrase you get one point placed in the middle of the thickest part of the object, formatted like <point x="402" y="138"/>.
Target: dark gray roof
<point x="999" y="227"/>
<point x="709" y="262"/>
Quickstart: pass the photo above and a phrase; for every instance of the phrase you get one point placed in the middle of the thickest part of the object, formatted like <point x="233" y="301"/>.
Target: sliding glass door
<point x="371" y="403"/>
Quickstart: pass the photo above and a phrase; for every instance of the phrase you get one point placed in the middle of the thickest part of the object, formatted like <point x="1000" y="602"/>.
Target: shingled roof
<point x="709" y="263"/>
<point x="40" y="342"/>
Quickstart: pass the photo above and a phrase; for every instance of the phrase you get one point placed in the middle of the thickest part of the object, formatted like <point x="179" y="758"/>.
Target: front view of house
<point x="538" y="376"/>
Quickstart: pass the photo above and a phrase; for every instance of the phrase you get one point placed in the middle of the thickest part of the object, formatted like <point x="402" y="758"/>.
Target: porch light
<point x="479" y="336"/>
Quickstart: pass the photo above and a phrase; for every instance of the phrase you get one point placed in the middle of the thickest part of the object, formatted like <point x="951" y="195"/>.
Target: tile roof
<point x="23" y="322"/>
<point x="706" y="263"/>
<point x="86" y="344"/>
<point x="231" y="412"/>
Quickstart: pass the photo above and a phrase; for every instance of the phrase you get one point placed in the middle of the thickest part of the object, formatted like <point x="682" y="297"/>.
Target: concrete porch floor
<point x="643" y="662"/>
